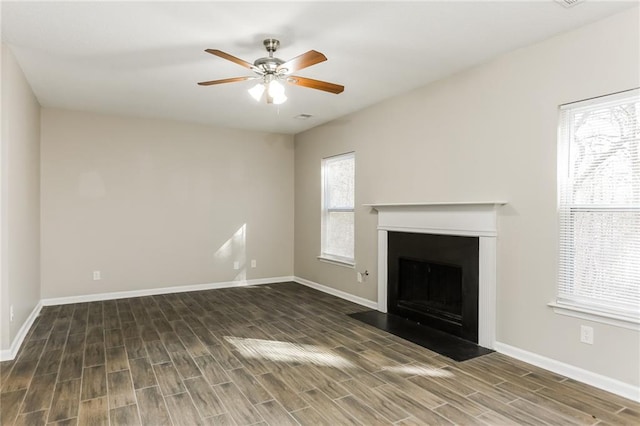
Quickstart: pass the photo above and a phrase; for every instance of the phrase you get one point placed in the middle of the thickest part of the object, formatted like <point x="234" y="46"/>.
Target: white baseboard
<point x="9" y="354"/>
<point x="338" y="293"/>
<point x="161" y="290"/>
<point x="597" y="380"/>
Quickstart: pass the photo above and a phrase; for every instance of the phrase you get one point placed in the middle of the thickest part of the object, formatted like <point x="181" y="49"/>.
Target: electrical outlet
<point x="236" y="265"/>
<point x="11" y="313"/>
<point x="359" y="277"/>
<point x="586" y="334"/>
<point x="96" y="276"/>
<point x="253" y="263"/>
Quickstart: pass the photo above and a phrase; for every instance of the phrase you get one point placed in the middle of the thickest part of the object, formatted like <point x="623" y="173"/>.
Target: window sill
<point x="621" y="321"/>
<point x="339" y="262"/>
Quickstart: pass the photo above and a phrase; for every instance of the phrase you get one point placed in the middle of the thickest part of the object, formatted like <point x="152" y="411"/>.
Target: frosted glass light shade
<point x="257" y="91"/>
<point x="276" y="91"/>
<point x="280" y="99"/>
<point x="274" y="88"/>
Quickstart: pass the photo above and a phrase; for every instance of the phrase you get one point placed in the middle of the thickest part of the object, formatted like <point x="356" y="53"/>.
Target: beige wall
<point x="154" y="203"/>
<point x="20" y="204"/>
<point x="485" y="134"/>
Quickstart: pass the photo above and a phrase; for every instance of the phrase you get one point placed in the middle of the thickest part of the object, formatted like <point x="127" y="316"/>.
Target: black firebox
<point x="433" y="279"/>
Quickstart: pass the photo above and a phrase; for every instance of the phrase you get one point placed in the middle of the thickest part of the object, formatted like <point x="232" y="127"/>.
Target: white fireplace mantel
<point x="473" y="219"/>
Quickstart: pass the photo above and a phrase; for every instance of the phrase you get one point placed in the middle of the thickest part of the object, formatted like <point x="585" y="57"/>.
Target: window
<point x="338" y="194"/>
<point x="599" y="206"/>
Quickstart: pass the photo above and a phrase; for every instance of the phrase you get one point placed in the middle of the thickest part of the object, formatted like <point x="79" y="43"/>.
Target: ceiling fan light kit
<point x="273" y="88"/>
<point x="257" y="91"/>
<point x="272" y="71"/>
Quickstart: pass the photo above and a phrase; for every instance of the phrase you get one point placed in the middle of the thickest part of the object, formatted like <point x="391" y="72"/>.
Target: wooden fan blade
<point x="225" y="80"/>
<point x="305" y="60"/>
<point x="233" y="59"/>
<point x="315" y="84"/>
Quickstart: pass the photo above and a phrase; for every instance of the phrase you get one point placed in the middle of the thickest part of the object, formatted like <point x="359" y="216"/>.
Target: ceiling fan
<point x="272" y="71"/>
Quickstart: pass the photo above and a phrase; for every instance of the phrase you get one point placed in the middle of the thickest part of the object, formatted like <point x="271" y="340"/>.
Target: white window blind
<point x="338" y="196"/>
<point x="599" y="205"/>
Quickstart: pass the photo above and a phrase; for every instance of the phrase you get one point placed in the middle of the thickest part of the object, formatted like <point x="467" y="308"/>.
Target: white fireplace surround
<point x="472" y="219"/>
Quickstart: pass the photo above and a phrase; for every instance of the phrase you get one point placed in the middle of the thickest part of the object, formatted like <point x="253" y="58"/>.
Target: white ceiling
<point x="144" y="58"/>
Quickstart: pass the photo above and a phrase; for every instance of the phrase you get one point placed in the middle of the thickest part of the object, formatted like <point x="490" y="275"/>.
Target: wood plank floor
<point x="279" y="354"/>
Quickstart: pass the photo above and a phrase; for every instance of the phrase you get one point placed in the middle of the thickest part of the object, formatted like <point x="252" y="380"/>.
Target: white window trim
<point x="568" y="308"/>
<point x="326" y="257"/>
<point x="577" y="311"/>
<point x="338" y="260"/>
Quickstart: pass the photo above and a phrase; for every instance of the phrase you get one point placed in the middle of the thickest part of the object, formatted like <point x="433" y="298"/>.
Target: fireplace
<point x="477" y="220"/>
<point x="433" y="279"/>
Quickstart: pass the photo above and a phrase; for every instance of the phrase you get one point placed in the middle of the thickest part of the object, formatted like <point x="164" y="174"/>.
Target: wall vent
<point x="569" y="3"/>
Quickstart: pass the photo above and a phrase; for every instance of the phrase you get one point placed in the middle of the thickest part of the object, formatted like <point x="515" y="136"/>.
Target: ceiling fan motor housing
<point x="269" y="64"/>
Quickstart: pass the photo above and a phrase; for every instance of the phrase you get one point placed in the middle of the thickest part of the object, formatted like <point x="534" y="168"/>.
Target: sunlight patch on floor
<point x="419" y="370"/>
<point x="274" y="350"/>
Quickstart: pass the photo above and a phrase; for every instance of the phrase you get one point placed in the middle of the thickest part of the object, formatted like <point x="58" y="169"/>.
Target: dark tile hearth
<point x="280" y="354"/>
<point x="445" y="344"/>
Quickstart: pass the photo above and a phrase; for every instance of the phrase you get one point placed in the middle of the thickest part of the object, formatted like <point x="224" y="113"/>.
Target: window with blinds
<point x="599" y="205"/>
<point x="338" y="197"/>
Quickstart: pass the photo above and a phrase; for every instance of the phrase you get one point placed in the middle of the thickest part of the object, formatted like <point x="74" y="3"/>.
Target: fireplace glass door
<point x="433" y="279"/>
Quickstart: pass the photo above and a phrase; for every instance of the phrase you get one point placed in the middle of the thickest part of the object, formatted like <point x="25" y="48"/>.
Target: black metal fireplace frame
<point x="460" y="251"/>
